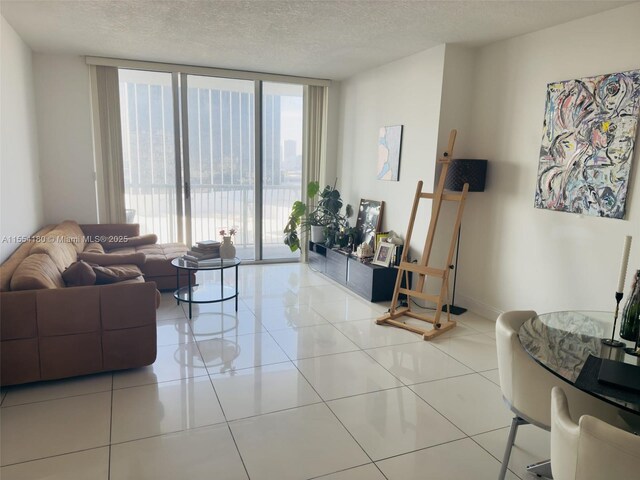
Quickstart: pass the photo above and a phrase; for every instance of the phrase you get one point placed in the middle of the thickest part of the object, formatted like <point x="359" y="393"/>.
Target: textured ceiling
<point x="317" y="38"/>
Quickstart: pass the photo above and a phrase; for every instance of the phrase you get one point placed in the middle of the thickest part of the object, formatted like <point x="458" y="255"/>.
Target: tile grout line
<point x="421" y="449"/>
<point x="226" y="421"/>
<point x="327" y="406"/>
<point x="110" y="432"/>
<point x="324" y="475"/>
<point x="244" y="465"/>
<point x="492" y="455"/>
<point x="292" y="361"/>
<point x="55" y="456"/>
<point x="403" y="386"/>
<point x="339" y="421"/>
<point x="156" y="435"/>
<point x="7" y="407"/>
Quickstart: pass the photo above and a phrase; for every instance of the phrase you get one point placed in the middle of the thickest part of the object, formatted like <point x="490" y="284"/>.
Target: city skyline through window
<point x="221" y="158"/>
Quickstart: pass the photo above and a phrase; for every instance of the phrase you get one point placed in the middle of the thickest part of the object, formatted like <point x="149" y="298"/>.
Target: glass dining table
<point x="569" y="345"/>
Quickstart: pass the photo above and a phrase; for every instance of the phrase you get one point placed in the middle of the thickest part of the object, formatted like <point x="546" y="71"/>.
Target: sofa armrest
<point x="63" y="332"/>
<point x="128" y="305"/>
<point x="128" y="325"/>
<point x="111" y="229"/>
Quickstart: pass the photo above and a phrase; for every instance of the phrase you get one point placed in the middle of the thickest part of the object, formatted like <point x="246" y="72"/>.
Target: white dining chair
<point x="591" y="449"/>
<point x="526" y="388"/>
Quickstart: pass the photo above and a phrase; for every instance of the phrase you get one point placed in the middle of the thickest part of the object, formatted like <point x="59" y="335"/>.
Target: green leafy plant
<point x="325" y="214"/>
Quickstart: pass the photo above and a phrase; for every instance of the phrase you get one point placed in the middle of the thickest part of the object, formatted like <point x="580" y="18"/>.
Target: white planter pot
<point x="227" y="250"/>
<point x="317" y="234"/>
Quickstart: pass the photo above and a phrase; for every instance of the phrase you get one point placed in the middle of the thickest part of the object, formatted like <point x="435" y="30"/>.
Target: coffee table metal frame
<point x="215" y="264"/>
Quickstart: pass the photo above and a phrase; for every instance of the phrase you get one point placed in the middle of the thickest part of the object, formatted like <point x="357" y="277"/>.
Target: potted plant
<point x="325" y="217"/>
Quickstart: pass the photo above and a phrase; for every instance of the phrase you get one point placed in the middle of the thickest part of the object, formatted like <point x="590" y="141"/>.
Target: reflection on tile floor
<point x="298" y="384"/>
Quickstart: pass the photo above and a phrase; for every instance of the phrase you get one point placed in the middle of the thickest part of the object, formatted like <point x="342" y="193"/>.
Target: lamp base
<point x="613" y="343"/>
<point x="454" y="309"/>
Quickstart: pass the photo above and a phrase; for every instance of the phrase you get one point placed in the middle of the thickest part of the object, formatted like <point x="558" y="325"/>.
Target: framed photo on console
<point x="369" y="221"/>
<point x="384" y="253"/>
<point x="380" y="237"/>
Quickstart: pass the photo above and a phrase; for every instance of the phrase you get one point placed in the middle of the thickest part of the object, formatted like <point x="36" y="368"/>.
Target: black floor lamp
<point x="461" y="171"/>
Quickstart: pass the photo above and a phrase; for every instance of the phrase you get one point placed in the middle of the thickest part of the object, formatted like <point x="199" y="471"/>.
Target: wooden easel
<point x="422" y="268"/>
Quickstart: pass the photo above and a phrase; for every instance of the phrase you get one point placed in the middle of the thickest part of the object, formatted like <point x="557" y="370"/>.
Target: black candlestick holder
<point x="610" y="341"/>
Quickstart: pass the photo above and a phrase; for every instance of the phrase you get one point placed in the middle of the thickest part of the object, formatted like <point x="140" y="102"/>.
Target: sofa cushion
<point x="93" y="248"/>
<point x="63" y="254"/>
<point x="96" y="230"/>
<point x="159" y="258"/>
<point x="79" y="274"/>
<point x="115" y="273"/>
<point x="149" y="239"/>
<point x="37" y="271"/>
<point x="66" y="235"/>
<point x="9" y="266"/>
<point x="72" y="233"/>
<point x="116" y="242"/>
<point x="107" y="259"/>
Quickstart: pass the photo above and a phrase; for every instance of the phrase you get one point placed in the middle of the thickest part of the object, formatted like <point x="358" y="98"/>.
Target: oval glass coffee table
<point x="205" y="293"/>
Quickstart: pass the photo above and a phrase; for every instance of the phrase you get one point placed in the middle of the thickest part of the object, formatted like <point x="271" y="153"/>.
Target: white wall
<point x="63" y="101"/>
<point x="406" y="92"/>
<point x="20" y="201"/>
<point x="457" y="99"/>
<point x="455" y="107"/>
<point x="512" y="255"/>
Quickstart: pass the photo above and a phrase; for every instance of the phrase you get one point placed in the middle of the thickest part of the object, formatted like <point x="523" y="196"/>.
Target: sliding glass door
<point x="149" y="154"/>
<point x="190" y="144"/>
<point x="221" y="160"/>
<point x="281" y="163"/>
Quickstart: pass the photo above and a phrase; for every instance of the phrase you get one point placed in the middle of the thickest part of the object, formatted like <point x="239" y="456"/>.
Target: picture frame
<point x="389" y="149"/>
<point x="384" y="254"/>
<point x="380" y="236"/>
<point x="588" y="138"/>
<point x="369" y="221"/>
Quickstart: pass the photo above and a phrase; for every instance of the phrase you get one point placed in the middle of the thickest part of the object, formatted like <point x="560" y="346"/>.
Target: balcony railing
<point x="213" y="207"/>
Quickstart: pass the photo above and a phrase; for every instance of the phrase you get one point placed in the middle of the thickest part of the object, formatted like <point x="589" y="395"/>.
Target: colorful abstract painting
<point x="389" y="142"/>
<point x="587" y="144"/>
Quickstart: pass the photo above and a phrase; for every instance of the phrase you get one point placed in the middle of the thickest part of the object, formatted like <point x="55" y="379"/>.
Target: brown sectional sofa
<point x="49" y="331"/>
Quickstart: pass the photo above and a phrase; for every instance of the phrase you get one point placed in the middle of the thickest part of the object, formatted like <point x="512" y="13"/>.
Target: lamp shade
<point x="461" y="171"/>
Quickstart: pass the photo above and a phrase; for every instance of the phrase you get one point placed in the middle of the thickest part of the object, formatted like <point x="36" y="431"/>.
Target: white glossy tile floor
<point x="298" y="384"/>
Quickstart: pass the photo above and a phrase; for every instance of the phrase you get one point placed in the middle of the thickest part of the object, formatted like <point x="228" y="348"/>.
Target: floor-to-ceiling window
<point x="221" y="160"/>
<point x="148" y="149"/>
<point x="208" y="179"/>
<point x="281" y="162"/>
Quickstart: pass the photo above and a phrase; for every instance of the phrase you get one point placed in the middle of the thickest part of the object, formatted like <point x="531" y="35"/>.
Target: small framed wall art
<point x="384" y="253"/>
<point x="389" y="146"/>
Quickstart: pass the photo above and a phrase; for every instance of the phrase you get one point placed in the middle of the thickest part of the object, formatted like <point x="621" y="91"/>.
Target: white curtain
<point x="110" y="166"/>
<point x="314" y="142"/>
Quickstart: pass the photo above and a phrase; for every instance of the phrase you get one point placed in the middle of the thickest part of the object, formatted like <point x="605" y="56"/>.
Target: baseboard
<point x="488" y="311"/>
